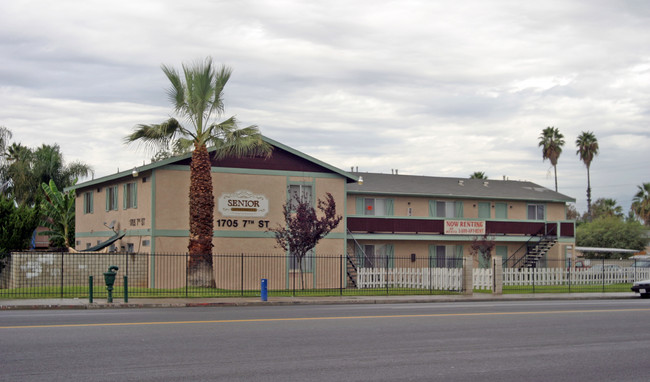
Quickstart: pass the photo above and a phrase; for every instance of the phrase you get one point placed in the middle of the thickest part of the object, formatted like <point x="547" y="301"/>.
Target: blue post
<point x="264" y="289"/>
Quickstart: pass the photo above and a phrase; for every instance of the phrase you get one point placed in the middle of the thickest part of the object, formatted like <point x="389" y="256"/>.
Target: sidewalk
<point x="256" y="301"/>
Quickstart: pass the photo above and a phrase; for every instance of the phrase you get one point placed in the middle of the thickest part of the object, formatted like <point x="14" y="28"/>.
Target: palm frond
<point x="238" y="142"/>
<point x="157" y="136"/>
<point x="176" y="92"/>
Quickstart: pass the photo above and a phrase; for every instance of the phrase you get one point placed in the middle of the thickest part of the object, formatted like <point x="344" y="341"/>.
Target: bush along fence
<point x="77" y="275"/>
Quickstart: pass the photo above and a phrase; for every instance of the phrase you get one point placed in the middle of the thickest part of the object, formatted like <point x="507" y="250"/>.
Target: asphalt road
<point x="483" y="341"/>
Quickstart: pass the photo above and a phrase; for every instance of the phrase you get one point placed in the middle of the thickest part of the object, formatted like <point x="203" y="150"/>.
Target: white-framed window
<point x="307" y="262"/>
<point x="501" y="210"/>
<point x="484" y="210"/>
<point x="444" y="209"/>
<point x="88" y="202"/>
<point x="446" y="256"/>
<point x="130" y="195"/>
<point x="300" y="192"/>
<point x="375" y="206"/>
<point x="375" y="256"/>
<point x="536" y="212"/>
<point x="111" y="198"/>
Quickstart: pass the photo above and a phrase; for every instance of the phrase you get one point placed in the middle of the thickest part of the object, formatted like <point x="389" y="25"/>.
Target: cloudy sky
<point x="440" y="88"/>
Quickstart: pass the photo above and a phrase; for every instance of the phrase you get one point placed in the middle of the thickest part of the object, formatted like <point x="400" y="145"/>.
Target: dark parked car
<point x="642" y="288"/>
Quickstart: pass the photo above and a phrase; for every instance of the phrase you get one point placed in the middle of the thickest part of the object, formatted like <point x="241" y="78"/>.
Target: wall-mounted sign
<point x="464" y="227"/>
<point x="243" y="203"/>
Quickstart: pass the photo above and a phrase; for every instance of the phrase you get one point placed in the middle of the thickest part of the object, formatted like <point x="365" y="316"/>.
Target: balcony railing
<point x="436" y="226"/>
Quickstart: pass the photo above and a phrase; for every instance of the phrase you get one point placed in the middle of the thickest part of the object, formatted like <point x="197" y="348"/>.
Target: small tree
<point x="303" y="228"/>
<point x="18" y="225"/>
<point x="611" y="232"/>
<point x="58" y="215"/>
<point x="482" y="247"/>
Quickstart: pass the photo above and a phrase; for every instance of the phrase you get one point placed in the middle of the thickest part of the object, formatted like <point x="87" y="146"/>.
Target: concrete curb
<point x="214" y="303"/>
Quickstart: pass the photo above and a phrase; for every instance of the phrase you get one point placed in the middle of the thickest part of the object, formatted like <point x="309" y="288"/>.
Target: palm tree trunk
<point x="201" y="219"/>
<point x="589" y="195"/>
<point x="555" y="168"/>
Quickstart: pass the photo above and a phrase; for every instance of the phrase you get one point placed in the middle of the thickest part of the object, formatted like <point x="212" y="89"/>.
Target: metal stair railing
<point x="351" y="260"/>
<point x="543" y="237"/>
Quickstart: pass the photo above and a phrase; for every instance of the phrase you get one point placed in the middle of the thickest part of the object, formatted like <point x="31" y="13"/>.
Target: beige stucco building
<point x="388" y="219"/>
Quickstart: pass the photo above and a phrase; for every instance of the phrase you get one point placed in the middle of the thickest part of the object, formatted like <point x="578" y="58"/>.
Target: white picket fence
<point x="482" y="278"/>
<point x="452" y="278"/>
<point x="416" y="278"/>
<point x="558" y="276"/>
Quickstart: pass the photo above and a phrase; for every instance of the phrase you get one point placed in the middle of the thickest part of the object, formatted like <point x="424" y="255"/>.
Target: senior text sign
<point x="243" y="203"/>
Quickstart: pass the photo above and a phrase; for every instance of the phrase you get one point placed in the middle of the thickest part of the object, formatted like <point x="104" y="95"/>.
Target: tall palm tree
<point x="641" y="203"/>
<point x="587" y="149"/>
<point x="197" y="96"/>
<point x="478" y="175"/>
<point x="551" y="142"/>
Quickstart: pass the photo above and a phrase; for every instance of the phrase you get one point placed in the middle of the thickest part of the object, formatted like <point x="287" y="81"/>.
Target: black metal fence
<point x="81" y="275"/>
<point x="566" y="276"/>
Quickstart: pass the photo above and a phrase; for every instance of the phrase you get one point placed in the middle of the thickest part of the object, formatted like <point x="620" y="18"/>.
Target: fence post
<point x="468" y="276"/>
<point x="497" y="276"/>
<point x="533" y="275"/>
<point x="187" y="270"/>
<point x="386" y="274"/>
<point x="62" y="254"/>
<point x="569" y="274"/>
<point x="341" y="270"/>
<point x="603" y="267"/>
<point x="126" y="288"/>
<point x="90" y="289"/>
<point x="241" y="278"/>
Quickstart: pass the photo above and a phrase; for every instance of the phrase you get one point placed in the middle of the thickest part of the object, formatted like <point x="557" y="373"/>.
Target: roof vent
<point x="461" y="182"/>
<point x="485" y="184"/>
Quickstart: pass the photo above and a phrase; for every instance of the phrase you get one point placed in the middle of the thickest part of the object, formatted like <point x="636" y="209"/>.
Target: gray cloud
<point x="434" y="88"/>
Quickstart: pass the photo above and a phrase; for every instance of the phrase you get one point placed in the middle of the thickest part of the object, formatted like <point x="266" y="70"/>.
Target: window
<point x="307" y="262"/>
<point x="87" y="245"/>
<point x="536" y="212"/>
<point x="502" y="251"/>
<point x="375" y="256"/>
<point x="88" y="202"/>
<point x="375" y="206"/>
<point x="501" y="210"/>
<point x="130" y="248"/>
<point x="130" y="195"/>
<point x="111" y="198"/>
<point x="445" y="209"/>
<point x="299" y="192"/>
<point x="484" y="210"/>
<point x="446" y="256"/>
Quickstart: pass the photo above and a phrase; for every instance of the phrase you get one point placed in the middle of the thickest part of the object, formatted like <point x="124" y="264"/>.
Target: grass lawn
<point x="99" y="292"/>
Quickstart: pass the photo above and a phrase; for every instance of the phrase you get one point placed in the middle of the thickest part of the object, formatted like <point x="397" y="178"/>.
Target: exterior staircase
<point x="351" y="270"/>
<point x="535" y="252"/>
